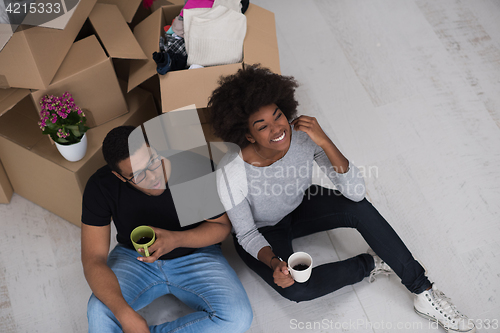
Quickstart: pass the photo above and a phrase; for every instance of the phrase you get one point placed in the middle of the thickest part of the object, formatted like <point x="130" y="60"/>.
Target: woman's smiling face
<point x="269" y="128"/>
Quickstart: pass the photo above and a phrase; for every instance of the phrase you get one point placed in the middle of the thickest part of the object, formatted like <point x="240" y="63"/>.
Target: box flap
<point x="170" y="12"/>
<point x="10" y="97"/>
<point x="83" y="54"/>
<point x="95" y="89"/>
<point x="5" y="34"/>
<point x="50" y="14"/>
<point x="126" y="7"/>
<point x="192" y="86"/>
<point x="261" y="42"/>
<point x="147" y="34"/>
<point x="60" y="22"/>
<point x="260" y="17"/>
<point x="260" y="47"/>
<point x="115" y="33"/>
<point x="33" y="55"/>
<point x="49" y="47"/>
<point x="16" y="64"/>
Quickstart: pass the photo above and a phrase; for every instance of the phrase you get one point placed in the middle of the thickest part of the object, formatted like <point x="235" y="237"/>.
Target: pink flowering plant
<point x="62" y="119"/>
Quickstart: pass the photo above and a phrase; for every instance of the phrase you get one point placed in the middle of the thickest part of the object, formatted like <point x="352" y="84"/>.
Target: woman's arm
<point x="311" y="127"/>
<point x="344" y="175"/>
<point x="281" y="274"/>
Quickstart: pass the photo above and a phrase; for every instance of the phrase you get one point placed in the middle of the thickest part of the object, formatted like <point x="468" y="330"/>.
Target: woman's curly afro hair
<point x="244" y="93"/>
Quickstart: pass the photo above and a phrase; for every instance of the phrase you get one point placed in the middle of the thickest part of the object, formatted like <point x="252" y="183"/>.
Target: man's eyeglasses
<point x="140" y="176"/>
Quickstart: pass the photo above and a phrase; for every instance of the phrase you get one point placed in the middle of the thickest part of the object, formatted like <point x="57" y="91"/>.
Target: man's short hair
<point x="117" y="147"/>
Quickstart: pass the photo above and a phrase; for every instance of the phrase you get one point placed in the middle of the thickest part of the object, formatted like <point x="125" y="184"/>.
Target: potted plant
<point x="64" y="122"/>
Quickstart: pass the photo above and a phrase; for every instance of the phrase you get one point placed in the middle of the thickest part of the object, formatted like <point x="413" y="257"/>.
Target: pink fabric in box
<point x="197" y="4"/>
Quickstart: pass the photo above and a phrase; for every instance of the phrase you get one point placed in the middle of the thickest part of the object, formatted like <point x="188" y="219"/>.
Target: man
<point x="132" y="190"/>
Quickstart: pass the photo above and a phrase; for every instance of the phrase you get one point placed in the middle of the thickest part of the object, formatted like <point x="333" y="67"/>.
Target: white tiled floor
<point x="410" y="89"/>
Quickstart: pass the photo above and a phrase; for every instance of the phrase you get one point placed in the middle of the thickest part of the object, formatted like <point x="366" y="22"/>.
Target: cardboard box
<point x="32" y="56"/>
<point x="180" y="88"/>
<point x="6" y="190"/>
<point x="88" y="74"/>
<point x="36" y="169"/>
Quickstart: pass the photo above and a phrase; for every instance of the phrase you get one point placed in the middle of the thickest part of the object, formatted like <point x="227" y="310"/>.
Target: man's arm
<point x="102" y="280"/>
<point x="207" y="233"/>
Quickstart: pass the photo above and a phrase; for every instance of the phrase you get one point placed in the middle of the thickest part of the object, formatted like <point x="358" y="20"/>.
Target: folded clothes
<point x="188" y="16"/>
<point x="214" y="37"/>
<point x="231" y="4"/>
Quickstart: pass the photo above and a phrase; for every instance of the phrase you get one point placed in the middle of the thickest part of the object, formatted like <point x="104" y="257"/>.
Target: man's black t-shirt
<point x="106" y="197"/>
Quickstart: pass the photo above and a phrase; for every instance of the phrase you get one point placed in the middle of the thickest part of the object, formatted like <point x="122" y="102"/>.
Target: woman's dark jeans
<point x="324" y="209"/>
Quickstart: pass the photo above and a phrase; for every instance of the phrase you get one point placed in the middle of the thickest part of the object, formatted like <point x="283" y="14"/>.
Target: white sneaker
<point x="434" y="305"/>
<point x="380" y="266"/>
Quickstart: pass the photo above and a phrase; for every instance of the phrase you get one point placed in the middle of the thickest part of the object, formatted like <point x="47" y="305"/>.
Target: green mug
<point x="142" y="238"/>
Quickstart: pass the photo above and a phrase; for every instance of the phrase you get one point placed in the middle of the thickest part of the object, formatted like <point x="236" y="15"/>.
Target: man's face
<point x="139" y="165"/>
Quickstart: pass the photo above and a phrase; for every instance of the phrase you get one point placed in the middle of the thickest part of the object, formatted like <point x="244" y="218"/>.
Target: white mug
<point x="300" y="258"/>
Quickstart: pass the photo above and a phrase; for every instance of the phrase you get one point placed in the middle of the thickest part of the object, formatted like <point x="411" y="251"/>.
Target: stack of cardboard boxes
<point x="90" y="55"/>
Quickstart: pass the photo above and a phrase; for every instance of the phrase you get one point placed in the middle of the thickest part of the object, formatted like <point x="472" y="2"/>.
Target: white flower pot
<point x="74" y="152"/>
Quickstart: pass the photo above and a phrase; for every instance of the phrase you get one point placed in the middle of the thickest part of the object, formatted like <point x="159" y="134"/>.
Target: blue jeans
<point x="202" y="280"/>
<point x="324" y="209"/>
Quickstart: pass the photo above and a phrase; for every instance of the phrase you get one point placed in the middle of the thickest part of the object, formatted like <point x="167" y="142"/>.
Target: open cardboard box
<point x="32" y="56"/>
<point x="185" y="87"/>
<point x="88" y="74"/>
<point x="36" y="169"/>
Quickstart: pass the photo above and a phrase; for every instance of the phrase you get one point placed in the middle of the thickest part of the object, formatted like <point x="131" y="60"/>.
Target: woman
<point x="270" y="198"/>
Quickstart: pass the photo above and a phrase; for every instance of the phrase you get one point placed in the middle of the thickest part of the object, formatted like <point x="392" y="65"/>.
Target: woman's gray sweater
<point x="256" y="197"/>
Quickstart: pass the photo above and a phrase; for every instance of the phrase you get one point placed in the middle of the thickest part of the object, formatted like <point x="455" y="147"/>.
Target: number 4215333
<point x="41" y="8"/>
